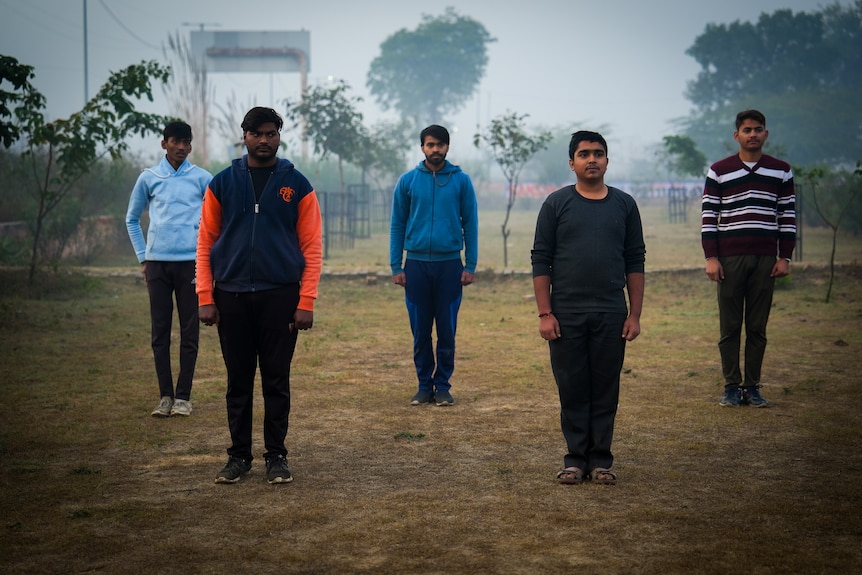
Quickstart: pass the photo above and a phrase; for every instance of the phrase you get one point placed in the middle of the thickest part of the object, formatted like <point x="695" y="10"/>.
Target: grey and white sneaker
<point x="163" y="409"/>
<point x="181" y="407"/>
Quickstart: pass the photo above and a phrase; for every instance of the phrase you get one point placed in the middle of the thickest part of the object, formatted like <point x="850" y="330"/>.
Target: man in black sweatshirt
<point x="587" y="253"/>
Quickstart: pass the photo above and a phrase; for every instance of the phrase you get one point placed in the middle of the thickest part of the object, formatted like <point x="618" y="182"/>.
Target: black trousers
<point x="164" y="280"/>
<point x="255" y="330"/>
<point x="586" y="362"/>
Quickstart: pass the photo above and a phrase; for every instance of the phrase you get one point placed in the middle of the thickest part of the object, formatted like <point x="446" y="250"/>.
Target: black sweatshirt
<point x="588" y="247"/>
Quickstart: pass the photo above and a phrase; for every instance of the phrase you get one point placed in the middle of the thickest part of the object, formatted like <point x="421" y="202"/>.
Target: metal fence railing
<point x="356" y="213"/>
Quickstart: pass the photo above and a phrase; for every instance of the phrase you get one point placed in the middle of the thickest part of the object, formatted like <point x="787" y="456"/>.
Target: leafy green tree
<point x="683" y="156"/>
<point x="91" y="221"/>
<point x="12" y="171"/>
<point x="833" y="212"/>
<point x="512" y="147"/>
<point x="70" y="147"/>
<point x="803" y="70"/>
<point x="431" y="71"/>
<point x="22" y="103"/>
<point x="331" y="120"/>
<point x="384" y="157"/>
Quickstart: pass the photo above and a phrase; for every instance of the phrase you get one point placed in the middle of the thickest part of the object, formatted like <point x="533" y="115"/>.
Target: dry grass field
<point x="669" y="246"/>
<point x="90" y="483"/>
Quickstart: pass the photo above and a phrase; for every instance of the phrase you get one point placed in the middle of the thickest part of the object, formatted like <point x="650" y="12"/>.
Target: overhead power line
<point x="126" y="28"/>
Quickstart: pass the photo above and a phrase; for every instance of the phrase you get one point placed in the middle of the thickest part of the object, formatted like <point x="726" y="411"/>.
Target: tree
<point x="431" y="71"/>
<point x="60" y="153"/>
<point x="23" y="102"/>
<point x="813" y="177"/>
<point x="512" y="147"/>
<point x="189" y="92"/>
<point x="332" y="122"/>
<point x="684" y="157"/>
<point x="384" y="157"/>
<point x="803" y="70"/>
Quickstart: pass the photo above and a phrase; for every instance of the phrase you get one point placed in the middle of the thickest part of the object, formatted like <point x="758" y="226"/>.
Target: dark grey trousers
<point x="744" y="298"/>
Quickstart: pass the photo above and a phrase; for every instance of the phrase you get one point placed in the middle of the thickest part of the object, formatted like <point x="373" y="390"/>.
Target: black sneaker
<point x="422" y="396"/>
<point x="277" y="471"/>
<point x="732" y="396"/>
<point x="751" y="396"/>
<point x="235" y="468"/>
<point x="444" y="398"/>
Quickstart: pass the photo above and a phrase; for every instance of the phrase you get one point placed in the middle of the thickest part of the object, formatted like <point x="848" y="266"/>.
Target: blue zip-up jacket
<point x="434" y="217"/>
<point x="247" y="245"/>
<point x="174" y="199"/>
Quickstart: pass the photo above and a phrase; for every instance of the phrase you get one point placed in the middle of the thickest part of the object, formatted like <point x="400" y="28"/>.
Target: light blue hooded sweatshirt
<point x="174" y="199"/>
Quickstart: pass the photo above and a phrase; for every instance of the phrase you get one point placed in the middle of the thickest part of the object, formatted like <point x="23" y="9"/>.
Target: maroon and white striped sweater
<point x="748" y="211"/>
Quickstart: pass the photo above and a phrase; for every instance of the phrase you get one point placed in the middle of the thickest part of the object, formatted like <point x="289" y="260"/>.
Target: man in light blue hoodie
<point x="434" y="217"/>
<point x="172" y="193"/>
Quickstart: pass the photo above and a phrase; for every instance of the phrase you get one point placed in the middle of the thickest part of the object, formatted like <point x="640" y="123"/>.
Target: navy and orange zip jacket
<point x="245" y="245"/>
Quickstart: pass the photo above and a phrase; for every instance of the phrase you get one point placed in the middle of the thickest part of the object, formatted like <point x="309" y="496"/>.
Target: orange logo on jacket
<point x="286" y="193"/>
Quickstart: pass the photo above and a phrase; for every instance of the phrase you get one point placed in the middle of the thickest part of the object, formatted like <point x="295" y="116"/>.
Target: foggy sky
<point x="618" y="64"/>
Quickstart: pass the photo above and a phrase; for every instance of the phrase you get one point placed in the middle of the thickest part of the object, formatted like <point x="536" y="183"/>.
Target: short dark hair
<point x="258" y="116"/>
<point x="435" y="131"/>
<point x="755" y="115"/>
<point x="585" y="136"/>
<point x="178" y="130"/>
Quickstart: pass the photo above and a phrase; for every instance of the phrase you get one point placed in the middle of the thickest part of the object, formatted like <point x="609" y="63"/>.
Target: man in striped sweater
<point x="748" y="231"/>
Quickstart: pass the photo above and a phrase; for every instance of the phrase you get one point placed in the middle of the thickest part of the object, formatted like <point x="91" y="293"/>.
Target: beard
<point x="436" y="160"/>
<point x="262" y="154"/>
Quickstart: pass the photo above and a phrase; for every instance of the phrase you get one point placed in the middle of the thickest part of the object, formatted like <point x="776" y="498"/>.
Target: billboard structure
<point x="260" y="52"/>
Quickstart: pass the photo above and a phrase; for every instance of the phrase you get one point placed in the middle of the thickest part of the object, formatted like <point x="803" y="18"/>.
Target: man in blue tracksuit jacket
<point x="434" y="217"/>
<point x="172" y="193"/>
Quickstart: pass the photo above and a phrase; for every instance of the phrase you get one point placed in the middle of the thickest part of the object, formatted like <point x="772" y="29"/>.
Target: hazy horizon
<point x="620" y="67"/>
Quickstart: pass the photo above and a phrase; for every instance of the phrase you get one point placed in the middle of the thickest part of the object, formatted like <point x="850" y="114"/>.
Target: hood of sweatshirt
<point x="166" y="170"/>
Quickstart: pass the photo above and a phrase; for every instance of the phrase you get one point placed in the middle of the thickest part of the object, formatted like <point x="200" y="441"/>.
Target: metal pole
<point x="86" y="63"/>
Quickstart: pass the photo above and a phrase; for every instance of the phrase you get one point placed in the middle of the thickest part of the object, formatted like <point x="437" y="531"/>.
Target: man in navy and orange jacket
<point x="259" y="257"/>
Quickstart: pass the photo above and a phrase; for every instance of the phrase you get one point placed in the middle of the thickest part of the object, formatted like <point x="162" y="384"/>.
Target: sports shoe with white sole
<point x="751" y="396"/>
<point x="181" y="407"/>
<point x="731" y="398"/>
<point x="277" y="470"/>
<point x="235" y="468"/>
<point x="422" y="397"/>
<point x="444" y="398"/>
<point x="163" y="409"/>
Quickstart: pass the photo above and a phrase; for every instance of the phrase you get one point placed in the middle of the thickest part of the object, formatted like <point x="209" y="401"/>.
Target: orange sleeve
<point x="208" y="233"/>
<point x="309" y="230"/>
